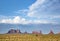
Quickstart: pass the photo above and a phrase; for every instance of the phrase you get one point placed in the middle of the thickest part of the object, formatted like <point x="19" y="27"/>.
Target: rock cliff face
<point x="13" y="31"/>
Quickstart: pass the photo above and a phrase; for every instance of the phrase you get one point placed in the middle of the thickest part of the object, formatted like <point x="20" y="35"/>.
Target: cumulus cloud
<point x="15" y="20"/>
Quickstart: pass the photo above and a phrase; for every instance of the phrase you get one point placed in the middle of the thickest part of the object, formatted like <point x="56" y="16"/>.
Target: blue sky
<point x="9" y="6"/>
<point x="30" y="12"/>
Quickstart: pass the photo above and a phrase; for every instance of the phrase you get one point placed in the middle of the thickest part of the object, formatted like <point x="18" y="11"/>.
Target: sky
<point x="30" y="12"/>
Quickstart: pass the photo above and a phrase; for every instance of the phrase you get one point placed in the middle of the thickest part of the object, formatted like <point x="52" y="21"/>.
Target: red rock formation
<point x="13" y="31"/>
<point x="51" y="32"/>
<point x="18" y="31"/>
<point x="35" y="32"/>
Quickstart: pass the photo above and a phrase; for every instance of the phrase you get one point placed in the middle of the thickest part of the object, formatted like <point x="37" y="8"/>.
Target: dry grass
<point x="29" y="37"/>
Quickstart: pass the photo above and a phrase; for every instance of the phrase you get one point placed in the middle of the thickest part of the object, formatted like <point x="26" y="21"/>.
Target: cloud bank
<point x="15" y="20"/>
<point x="44" y="8"/>
<point x="20" y="20"/>
<point x="44" y="11"/>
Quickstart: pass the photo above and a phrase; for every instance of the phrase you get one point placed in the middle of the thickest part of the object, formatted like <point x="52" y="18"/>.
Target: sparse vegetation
<point x="29" y="37"/>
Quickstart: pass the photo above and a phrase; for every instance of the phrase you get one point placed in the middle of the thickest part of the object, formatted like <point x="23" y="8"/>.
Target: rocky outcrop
<point x="51" y="32"/>
<point x="13" y="31"/>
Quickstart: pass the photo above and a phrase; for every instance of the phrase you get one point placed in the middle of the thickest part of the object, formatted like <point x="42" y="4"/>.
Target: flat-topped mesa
<point x="12" y="31"/>
<point x="36" y="32"/>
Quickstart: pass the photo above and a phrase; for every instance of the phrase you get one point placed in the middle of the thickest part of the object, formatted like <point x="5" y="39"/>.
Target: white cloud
<point x="36" y="10"/>
<point x="33" y="8"/>
<point x="20" y="20"/>
<point x="44" y="9"/>
<point x="56" y="16"/>
<point x="43" y="22"/>
<point x="15" y="20"/>
<point x="36" y="4"/>
<point x="23" y="11"/>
